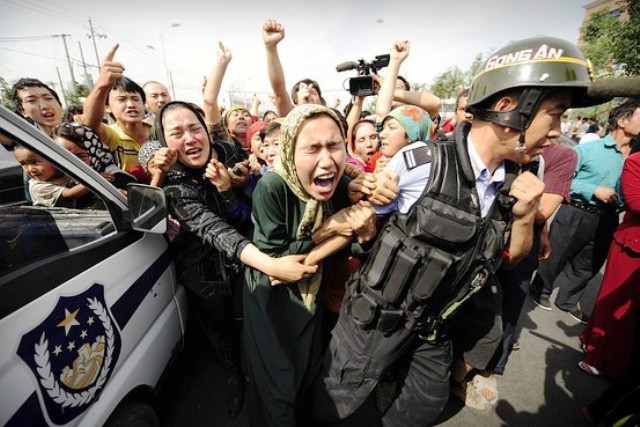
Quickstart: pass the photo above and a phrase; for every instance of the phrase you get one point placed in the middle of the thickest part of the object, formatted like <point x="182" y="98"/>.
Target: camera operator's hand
<point x="400" y="50"/>
<point x="272" y="32"/>
<point x="377" y="80"/>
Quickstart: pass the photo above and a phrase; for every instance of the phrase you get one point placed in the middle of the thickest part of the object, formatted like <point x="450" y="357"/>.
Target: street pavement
<point x="542" y="384"/>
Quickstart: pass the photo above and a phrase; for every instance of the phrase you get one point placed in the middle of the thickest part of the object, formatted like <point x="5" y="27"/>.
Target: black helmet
<point x="537" y="65"/>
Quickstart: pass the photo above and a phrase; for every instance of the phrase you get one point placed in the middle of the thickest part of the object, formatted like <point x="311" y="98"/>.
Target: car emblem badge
<point x="72" y="353"/>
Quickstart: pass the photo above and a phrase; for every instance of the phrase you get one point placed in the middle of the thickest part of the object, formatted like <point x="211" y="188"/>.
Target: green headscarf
<point x="285" y="167"/>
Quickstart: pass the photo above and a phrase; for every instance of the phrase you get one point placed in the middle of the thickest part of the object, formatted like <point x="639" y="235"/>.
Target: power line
<point x="25" y="39"/>
<point x="40" y="9"/>
<point x="74" y="60"/>
<point x="59" y="6"/>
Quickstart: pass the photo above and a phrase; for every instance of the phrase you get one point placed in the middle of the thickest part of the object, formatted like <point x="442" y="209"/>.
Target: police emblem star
<point x="72" y="353"/>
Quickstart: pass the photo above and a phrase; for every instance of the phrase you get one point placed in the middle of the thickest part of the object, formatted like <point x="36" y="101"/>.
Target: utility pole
<point x="164" y="59"/>
<point x="93" y="36"/>
<point x="64" y="93"/>
<point x="64" y="41"/>
<point x="87" y="77"/>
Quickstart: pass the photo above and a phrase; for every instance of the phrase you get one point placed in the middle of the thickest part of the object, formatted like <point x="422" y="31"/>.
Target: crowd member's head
<point x="403" y="83"/>
<point x="126" y="101"/>
<point x="237" y="120"/>
<point x="146" y="155"/>
<point x="312" y="152"/>
<point x="523" y="89"/>
<point x="157" y="95"/>
<point x="306" y="91"/>
<point x="35" y="166"/>
<point x="364" y="140"/>
<point x="269" y="115"/>
<point x="625" y="117"/>
<point x="270" y="145"/>
<point x="71" y="112"/>
<point x="253" y="136"/>
<point x="72" y="137"/>
<point x="461" y="105"/>
<point x="37" y="102"/>
<point x="402" y="126"/>
<point x="182" y="127"/>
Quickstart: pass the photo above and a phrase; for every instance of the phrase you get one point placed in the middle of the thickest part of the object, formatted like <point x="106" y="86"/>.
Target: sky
<point x="319" y="34"/>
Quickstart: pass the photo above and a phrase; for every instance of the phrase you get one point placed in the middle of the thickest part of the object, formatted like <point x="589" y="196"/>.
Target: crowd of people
<point x="353" y="267"/>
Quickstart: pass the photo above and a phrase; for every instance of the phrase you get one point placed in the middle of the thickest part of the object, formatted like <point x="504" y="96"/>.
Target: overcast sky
<point x="319" y="35"/>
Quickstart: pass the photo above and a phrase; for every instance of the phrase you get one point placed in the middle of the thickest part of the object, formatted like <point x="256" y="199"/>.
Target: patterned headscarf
<point x="147" y="152"/>
<point x="415" y="121"/>
<point x="285" y="167"/>
<point x="83" y="136"/>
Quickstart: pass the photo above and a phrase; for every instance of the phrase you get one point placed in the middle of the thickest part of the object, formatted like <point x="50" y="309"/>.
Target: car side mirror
<point x="148" y="208"/>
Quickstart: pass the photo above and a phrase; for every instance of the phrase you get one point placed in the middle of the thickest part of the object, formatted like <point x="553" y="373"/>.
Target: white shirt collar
<point x="478" y="166"/>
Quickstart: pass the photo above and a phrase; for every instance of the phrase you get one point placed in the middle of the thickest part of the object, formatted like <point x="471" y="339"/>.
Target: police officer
<point x="476" y="214"/>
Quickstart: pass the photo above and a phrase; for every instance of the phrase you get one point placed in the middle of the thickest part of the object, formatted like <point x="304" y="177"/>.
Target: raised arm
<point x="94" y="106"/>
<point x="214" y="83"/>
<point x="272" y="34"/>
<point x="399" y="52"/>
<point x="255" y="105"/>
<point x="425" y="100"/>
<point x="354" y="115"/>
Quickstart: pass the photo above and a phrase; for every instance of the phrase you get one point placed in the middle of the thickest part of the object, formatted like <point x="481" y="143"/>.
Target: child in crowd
<point x="48" y="186"/>
<point x="85" y="144"/>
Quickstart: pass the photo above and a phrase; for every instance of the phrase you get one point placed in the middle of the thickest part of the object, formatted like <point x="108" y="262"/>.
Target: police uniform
<point x="422" y="265"/>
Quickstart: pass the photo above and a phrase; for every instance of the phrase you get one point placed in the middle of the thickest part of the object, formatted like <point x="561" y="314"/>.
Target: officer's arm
<point x="527" y="190"/>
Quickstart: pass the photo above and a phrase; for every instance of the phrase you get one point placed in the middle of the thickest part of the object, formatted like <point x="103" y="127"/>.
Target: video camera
<point x="364" y="84"/>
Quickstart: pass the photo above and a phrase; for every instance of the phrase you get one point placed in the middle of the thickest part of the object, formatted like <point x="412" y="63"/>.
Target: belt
<point x="598" y="210"/>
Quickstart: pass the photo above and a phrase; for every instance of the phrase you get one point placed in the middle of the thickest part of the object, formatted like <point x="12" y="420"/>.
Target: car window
<point x="32" y="233"/>
<point x="11" y="180"/>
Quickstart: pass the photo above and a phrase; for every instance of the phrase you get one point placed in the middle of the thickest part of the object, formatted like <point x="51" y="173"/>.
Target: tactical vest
<point x="425" y="263"/>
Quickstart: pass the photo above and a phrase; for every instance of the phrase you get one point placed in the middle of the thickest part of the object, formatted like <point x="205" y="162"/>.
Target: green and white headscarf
<point x="285" y="167"/>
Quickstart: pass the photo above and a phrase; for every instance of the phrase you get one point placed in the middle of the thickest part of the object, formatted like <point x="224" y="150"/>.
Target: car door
<point x="89" y="308"/>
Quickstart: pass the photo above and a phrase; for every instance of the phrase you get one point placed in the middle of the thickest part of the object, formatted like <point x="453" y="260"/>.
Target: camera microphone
<point x="346" y="66"/>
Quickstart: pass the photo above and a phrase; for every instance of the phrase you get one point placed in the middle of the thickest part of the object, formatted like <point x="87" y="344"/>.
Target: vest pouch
<point x="381" y="259"/>
<point x="363" y="309"/>
<point x="390" y="320"/>
<point x="429" y="278"/>
<point x="400" y="274"/>
<point x="444" y="224"/>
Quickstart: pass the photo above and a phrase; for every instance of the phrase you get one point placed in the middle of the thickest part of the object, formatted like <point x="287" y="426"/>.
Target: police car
<point x="90" y="309"/>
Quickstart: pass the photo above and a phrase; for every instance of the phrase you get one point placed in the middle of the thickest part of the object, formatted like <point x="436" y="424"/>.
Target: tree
<point x="613" y="46"/>
<point x="474" y="67"/>
<point x="598" y="34"/>
<point x="446" y="84"/>
<point x="76" y="94"/>
<point x="628" y="47"/>
<point x="449" y="83"/>
<point x="6" y="94"/>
